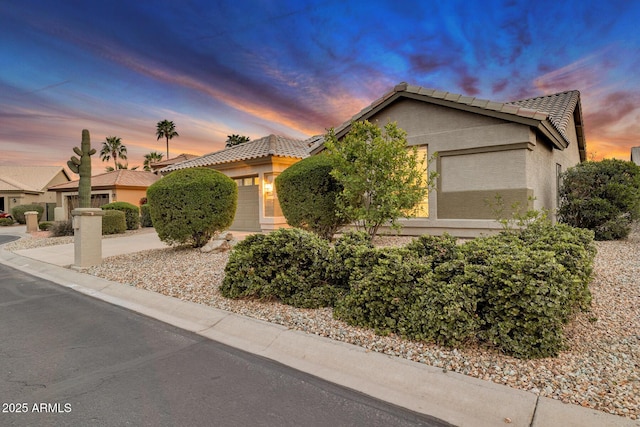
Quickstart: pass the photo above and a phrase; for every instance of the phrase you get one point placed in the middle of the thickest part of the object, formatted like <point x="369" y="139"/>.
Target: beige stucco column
<point x="31" y="218"/>
<point x="87" y="232"/>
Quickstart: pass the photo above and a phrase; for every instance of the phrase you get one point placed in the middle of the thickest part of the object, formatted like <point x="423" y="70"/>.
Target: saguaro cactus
<point x="82" y="167"/>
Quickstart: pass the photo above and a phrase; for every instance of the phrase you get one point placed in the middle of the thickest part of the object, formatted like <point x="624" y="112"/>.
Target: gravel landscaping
<point x="599" y="369"/>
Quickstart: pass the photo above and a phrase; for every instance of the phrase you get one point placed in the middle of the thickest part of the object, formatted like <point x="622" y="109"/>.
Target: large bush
<point x="514" y="290"/>
<point x="398" y="290"/>
<point x="114" y="222"/>
<point x="189" y="206"/>
<point x="145" y="215"/>
<point x="18" y="212"/>
<point x="287" y="264"/>
<point x="307" y="193"/>
<point x="131" y="213"/>
<point x="601" y="196"/>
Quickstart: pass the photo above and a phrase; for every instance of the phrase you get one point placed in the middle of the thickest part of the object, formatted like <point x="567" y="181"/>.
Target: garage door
<point x="247" y="214"/>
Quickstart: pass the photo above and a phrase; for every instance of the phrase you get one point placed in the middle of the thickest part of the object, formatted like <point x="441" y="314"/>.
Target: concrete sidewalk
<point x="458" y="399"/>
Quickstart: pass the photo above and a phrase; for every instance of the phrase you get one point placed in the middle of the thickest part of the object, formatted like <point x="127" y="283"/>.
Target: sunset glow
<point x="295" y="68"/>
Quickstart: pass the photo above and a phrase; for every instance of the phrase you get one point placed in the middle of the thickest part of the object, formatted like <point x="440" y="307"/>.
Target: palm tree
<point x="166" y="129"/>
<point x="236" y="139"/>
<point x="120" y="166"/>
<point x="113" y="148"/>
<point x="152" y="157"/>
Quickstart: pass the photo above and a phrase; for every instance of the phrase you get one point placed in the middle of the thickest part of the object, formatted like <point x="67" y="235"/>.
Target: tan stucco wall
<point x="132" y="196"/>
<point x="541" y="170"/>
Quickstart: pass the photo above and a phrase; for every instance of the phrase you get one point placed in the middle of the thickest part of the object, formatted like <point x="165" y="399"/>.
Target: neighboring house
<point x="485" y="148"/>
<point x="253" y="165"/>
<point x="122" y="185"/>
<point x="156" y="166"/>
<point x="635" y="155"/>
<point x="22" y="185"/>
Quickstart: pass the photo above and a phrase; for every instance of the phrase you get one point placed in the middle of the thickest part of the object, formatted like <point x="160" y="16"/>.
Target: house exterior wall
<point x="543" y="165"/>
<point x="478" y="158"/>
<point x="129" y="195"/>
<point x="24" y="198"/>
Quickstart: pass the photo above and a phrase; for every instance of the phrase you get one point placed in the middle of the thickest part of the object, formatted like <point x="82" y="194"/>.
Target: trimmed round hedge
<point x="307" y="194"/>
<point x="131" y="213"/>
<point x="114" y="222"/>
<point x="18" y="212"/>
<point x="189" y="206"/>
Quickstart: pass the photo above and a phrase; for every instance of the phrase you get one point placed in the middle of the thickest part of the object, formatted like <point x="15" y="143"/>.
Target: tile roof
<point x="550" y="114"/>
<point x="272" y="145"/>
<point x="117" y="178"/>
<point x="32" y="179"/>
<point x="559" y="107"/>
<point x="177" y="159"/>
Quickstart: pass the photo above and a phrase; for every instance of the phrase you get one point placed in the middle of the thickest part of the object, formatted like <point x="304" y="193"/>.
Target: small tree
<point x="382" y="179"/>
<point x="307" y="193"/>
<point x="601" y="196"/>
<point x="236" y="139"/>
<point x="191" y="205"/>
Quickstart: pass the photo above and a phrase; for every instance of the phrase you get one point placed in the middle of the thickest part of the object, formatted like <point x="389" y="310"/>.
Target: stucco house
<point x="515" y="149"/>
<point x="122" y="185"/>
<point x="253" y="166"/>
<point x="22" y="185"/>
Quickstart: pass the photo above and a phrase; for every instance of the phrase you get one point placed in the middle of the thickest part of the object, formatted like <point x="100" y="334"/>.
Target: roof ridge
<point x="544" y="96"/>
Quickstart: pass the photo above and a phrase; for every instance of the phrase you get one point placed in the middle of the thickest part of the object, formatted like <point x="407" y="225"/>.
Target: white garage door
<point x="247" y="214"/>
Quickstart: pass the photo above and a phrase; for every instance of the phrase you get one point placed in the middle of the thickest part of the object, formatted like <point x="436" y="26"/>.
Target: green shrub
<point x="287" y="264"/>
<point x="131" y="212"/>
<point x="395" y="290"/>
<point x="18" y="212"/>
<point x="514" y="290"/>
<point x="191" y="205"/>
<point x="4" y="222"/>
<point x="145" y="216"/>
<point x="434" y="249"/>
<point x="62" y="228"/>
<point x="307" y="194"/>
<point x="344" y="256"/>
<point x="382" y="290"/>
<point x="574" y="249"/>
<point x="524" y="295"/>
<point x="45" y="225"/>
<point x="444" y="311"/>
<point x="601" y="196"/>
<point x="114" y="222"/>
<point x="531" y="280"/>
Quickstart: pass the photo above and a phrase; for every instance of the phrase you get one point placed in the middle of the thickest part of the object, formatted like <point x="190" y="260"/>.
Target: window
<point x="247" y="181"/>
<point x="422" y="210"/>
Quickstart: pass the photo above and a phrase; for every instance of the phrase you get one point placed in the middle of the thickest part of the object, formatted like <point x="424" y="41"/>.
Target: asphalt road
<point x="68" y="359"/>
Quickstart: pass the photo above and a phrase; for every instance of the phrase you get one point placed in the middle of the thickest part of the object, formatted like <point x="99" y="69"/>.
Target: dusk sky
<point x="295" y="68"/>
